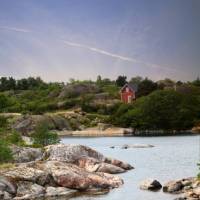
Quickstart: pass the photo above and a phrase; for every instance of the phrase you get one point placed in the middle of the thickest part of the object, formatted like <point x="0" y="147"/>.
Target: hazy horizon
<point x="59" y="40"/>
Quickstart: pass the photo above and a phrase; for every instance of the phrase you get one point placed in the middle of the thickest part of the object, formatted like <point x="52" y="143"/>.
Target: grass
<point x="6" y="166"/>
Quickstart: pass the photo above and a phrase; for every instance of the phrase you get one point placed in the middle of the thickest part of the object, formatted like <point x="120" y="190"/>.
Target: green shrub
<point x="198" y="175"/>
<point x="43" y="137"/>
<point x="112" y="90"/>
<point x="15" y="138"/>
<point x="69" y="103"/>
<point x="4" y="102"/>
<point x="3" y="122"/>
<point x="5" y="152"/>
<point x="161" y="110"/>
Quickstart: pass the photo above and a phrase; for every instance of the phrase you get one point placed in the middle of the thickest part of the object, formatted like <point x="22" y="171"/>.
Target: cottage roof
<point x="133" y="87"/>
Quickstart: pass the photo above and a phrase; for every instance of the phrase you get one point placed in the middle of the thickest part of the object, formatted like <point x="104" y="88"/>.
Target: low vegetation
<point x="5" y="152"/>
<point x="43" y="137"/>
<point x="161" y="110"/>
<point x="164" y="104"/>
<point x="8" y="136"/>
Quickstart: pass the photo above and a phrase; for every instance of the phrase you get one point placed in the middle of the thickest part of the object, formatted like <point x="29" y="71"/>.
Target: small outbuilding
<point x="128" y="93"/>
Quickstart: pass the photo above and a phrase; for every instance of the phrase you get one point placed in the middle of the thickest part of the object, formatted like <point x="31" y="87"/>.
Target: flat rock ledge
<point x="98" y="132"/>
<point x="189" y="188"/>
<point x="62" y="170"/>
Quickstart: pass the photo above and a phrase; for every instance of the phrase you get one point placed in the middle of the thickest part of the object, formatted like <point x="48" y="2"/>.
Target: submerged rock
<point x="126" y="146"/>
<point x="150" y="184"/>
<point x="129" y="146"/>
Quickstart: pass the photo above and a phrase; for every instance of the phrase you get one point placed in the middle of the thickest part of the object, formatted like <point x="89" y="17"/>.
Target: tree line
<point x="10" y="83"/>
<point x="35" y="96"/>
<point x="22" y="84"/>
<point x="167" y="110"/>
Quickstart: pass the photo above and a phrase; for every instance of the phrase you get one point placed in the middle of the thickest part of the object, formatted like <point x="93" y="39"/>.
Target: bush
<point x="69" y="103"/>
<point x="5" y="102"/>
<point x="43" y="137"/>
<point x="161" y="110"/>
<point x="3" y="122"/>
<point x="5" y="152"/>
<point x="198" y="175"/>
<point x="39" y="107"/>
<point x="146" y="87"/>
<point x="15" y="138"/>
<point x="112" y="90"/>
<point x="118" y="117"/>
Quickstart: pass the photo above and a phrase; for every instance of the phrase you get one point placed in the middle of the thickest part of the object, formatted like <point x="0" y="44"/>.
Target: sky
<point x="62" y="39"/>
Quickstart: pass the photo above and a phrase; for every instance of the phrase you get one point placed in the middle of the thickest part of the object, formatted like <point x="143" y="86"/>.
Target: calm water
<point x="171" y="158"/>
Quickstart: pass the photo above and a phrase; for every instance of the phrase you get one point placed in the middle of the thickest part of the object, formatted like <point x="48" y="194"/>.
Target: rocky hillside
<point x="74" y="90"/>
<point x="60" y="121"/>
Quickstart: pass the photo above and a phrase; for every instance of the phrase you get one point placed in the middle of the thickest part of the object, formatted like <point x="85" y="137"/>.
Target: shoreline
<point x="120" y="134"/>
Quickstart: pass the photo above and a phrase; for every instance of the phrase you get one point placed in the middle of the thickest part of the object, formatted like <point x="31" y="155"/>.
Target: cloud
<point x="117" y="56"/>
<point x="15" y="29"/>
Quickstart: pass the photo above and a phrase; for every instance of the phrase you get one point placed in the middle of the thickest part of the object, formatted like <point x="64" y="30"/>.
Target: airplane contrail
<point x="97" y="50"/>
<point x="120" y="57"/>
<point x="15" y="29"/>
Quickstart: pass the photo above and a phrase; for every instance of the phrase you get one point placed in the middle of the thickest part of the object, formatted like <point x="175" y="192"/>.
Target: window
<point x="127" y="89"/>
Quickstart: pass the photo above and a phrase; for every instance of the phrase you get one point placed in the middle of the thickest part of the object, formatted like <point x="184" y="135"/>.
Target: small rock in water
<point x="189" y="187"/>
<point x="173" y="187"/>
<point x="125" y="146"/>
<point x="142" y="146"/>
<point x="150" y="184"/>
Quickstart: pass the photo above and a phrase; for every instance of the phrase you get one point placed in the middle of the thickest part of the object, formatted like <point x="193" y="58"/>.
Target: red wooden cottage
<point x="128" y="93"/>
